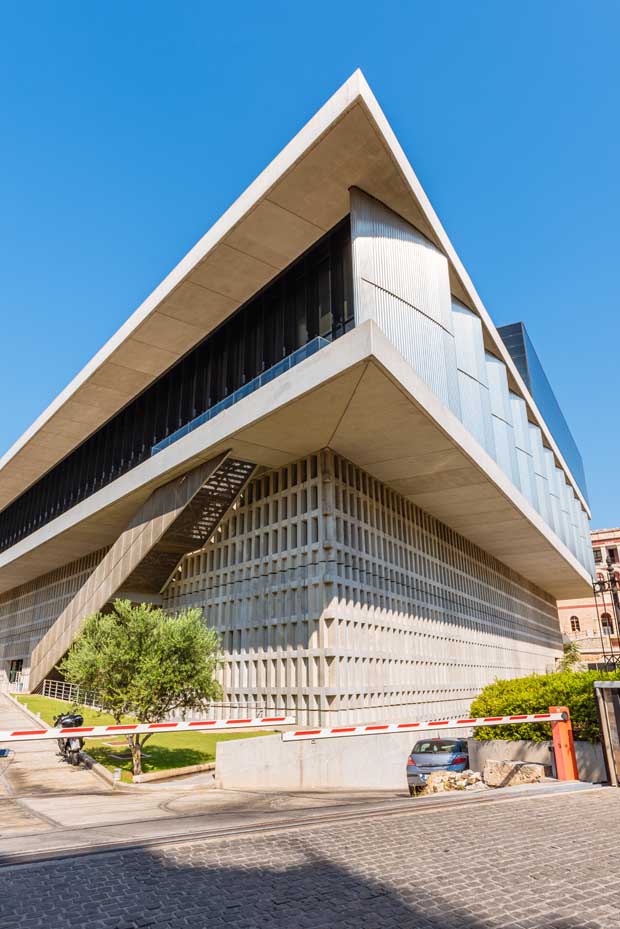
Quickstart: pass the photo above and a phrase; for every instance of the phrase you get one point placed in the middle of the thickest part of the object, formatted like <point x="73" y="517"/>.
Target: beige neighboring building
<point x="593" y="621"/>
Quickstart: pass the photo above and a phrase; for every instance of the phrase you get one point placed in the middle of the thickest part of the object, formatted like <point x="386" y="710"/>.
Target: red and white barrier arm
<point x="100" y="732"/>
<point x="391" y="728"/>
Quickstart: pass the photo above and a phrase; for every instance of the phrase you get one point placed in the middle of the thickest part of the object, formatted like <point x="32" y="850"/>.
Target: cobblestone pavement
<point x="544" y="863"/>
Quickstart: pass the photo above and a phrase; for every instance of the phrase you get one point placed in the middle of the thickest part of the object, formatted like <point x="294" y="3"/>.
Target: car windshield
<point x="431" y="746"/>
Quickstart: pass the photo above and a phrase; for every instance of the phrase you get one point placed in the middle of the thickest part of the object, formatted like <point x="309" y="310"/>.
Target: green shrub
<point x="535" y="694"/>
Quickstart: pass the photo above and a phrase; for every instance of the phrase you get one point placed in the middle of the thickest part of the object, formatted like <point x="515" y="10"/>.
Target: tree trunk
<point x="136" y="753"/>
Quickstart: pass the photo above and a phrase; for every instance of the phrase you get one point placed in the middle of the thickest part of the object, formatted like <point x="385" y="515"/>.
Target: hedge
<point x="535" y="694"/>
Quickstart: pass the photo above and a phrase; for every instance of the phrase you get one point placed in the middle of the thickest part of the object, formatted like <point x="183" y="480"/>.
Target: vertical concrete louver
<point x="177" y="518"/>
<point x="401" y="281"/>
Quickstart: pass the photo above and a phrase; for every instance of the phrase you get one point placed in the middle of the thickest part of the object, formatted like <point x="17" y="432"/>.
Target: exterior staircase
<point x="177" y="518"/>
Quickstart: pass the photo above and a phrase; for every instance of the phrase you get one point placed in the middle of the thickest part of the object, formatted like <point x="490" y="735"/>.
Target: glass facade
<point x="524" y="355"/>
<point x="311" y="300"/>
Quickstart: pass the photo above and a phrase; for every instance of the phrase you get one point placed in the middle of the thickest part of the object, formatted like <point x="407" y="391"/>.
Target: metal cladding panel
<point x="589" y="554"/>
<point x="427" y="347"/>
<point x="476" y="411"/>
<point x="538" y="450"/>
<point x="497" y="379"/>
<point x="567" y="507"/>
<point x="503" y="432"/>
<point x="525" y="462"/>
<point x="527" y="482"/>
<point x="472" y="376"/>
<point x="554" y="496"/>
<point x="393" y="255"/>
<point x="540" y="472"/>
<point x="576" y="521"/>
<point x="559" y="482"/>
<point x="469" y="342"/>
<point x="505" y="451"/>
<point x="520" y="423"/>
<point x="582" y="554"/>
<point x="401" y="281"/>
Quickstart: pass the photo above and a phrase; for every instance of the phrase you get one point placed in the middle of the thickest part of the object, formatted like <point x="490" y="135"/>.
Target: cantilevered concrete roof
<point x="296" y="199"/>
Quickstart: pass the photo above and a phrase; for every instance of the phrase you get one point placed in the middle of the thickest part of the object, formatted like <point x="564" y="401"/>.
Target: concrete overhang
<point x="359" y="397"/>
<point x="302" y="194"/>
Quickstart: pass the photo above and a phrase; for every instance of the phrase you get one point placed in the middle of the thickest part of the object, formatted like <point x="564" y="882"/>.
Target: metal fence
<point x="71" y="693"/>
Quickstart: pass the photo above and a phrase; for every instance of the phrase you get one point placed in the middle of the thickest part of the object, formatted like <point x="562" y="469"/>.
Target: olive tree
<point x="145" y="662"/>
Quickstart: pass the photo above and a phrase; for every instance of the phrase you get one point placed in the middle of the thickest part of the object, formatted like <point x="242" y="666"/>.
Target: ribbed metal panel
<point x="503" y="432"/>
<point x="589" y="554"/>
<point x="391" y="254"/>
<point x="472" y="376"/>
<point x="540" y="472"/>
<point x="555" y="510"/>
<point x="476" y="411"/>
<point x="559" y="484"/>
<point x="525" y="462"/>
<point x="427" y="347"/>
<point x="505" y="452"/>
<point x="469" y="342"/>
<point x="401" y="281"/>
<point x="497" y="379"/>
<point x="567" y="506"/>
<point x="575" y="511"/>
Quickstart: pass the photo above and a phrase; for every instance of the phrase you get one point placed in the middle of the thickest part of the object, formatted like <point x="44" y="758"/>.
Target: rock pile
<point x="441" y="781"/>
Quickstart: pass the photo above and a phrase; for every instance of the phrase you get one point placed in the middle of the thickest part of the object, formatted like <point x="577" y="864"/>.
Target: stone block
<point x="510" y="773"/>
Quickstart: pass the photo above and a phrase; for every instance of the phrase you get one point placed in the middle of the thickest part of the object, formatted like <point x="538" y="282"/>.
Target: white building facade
<point x="313" y="431"/>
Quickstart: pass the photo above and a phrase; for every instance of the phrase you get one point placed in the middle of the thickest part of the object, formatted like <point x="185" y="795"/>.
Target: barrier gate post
<point x="564" y="746"/>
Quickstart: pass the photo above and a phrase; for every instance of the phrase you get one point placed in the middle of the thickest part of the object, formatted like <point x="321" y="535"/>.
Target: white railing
<point x="71" y="693"/>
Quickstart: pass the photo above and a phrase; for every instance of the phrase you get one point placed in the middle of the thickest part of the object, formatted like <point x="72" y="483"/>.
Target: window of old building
<point x="598" y="556"/>
<point x="574" y="624"/>
<point x="607" y="624"/>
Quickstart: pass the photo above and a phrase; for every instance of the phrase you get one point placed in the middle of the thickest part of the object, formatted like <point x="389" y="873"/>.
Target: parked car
<point x="430" y="755"/>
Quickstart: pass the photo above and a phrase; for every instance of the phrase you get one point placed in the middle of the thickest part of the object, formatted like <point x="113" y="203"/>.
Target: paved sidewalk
<point x="544" y="863"/>
<point x="36" y="767"/>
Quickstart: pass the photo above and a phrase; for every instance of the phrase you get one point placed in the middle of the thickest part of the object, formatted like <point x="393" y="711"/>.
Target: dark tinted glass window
<point x="312" y="297"/>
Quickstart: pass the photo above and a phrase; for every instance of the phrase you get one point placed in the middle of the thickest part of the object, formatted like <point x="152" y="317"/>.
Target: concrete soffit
<point x="360" y="398"/>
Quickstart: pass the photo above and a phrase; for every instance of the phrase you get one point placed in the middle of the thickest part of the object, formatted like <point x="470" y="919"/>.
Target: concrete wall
<point x="267" y="763"/>
<point x="590" y="762"/>
<point x="340" y="601"/>
<point x="363" y="763"/>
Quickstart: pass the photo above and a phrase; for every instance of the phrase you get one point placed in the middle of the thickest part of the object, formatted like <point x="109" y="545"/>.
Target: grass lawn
<point x="161" y="752"/>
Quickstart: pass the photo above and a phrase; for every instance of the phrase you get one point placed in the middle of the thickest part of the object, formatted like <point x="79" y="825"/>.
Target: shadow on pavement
<point x="196" y="886"/>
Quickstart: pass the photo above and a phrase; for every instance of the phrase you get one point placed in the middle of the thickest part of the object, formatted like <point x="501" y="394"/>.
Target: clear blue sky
<point x="127" y="128"/>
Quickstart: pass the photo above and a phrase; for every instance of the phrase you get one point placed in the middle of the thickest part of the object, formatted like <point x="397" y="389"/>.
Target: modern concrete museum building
<point x="313" y="430"/>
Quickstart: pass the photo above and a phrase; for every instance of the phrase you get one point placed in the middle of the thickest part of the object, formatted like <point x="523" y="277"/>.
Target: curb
<point x="20" y="706"/>
<point x="173" y="772"/>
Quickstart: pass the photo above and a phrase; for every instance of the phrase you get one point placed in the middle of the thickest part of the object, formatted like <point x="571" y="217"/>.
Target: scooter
<point x="71" y="747"/>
